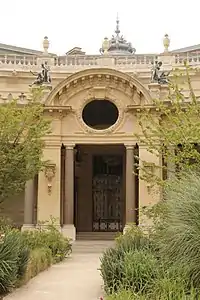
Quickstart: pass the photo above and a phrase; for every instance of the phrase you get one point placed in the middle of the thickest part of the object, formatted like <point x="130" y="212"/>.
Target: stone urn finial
<point x="105" y="45"/>
<point x="46" y="44"/>
<point x="166" y="43"/>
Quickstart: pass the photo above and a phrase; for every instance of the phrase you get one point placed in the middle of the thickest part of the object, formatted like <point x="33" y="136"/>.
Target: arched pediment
<point x="94" y="80"/>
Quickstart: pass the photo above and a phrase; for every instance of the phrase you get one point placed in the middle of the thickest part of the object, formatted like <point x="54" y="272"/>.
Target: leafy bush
<point x="130" y="260"/>
<point x="133" y="239"/>
<point x="111" y="269"/>
<point x="23" y="259"/>
<point x="51" y="239"/>
<point x="39" y="260"/>
<point x="140" y="269"/>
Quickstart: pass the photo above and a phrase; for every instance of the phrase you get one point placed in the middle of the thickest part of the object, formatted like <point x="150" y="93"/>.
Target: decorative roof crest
<point x="117" y="45"/>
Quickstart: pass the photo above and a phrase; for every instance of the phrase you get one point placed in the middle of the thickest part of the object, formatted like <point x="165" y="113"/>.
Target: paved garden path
<point x="77" y="278"/>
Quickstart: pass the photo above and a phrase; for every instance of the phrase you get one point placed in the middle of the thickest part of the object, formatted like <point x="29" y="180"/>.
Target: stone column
<point x="130" y="186"/>
<point x="68" y="207"/>
<point x="29" y="201"/>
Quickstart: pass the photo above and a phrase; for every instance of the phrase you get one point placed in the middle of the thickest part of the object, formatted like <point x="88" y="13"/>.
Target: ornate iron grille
<point x="107" y="193"/>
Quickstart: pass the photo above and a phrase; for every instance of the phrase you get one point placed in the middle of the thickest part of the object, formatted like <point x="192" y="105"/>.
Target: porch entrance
<point x="106" y="193"/>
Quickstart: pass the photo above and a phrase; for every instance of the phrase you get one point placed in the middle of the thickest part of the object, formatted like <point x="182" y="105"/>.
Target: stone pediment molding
<point x="57" y="111"/>
<point x="92" y="80"/>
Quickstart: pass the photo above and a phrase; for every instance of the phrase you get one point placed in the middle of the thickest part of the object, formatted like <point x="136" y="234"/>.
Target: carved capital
<point x="50" y="172"/>
<point x="129" y="147"/>
<point x="70" y="147"/>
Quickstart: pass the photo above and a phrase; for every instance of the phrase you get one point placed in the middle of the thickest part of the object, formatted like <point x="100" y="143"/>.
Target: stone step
<point x="91" y="246"/>
<point x="96" y="235"/>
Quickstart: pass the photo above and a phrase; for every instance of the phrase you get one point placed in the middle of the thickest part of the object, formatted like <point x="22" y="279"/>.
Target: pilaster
<point x="49" y="185"/>
<point x="148" y="195"/>
<point x="29" y="201"/>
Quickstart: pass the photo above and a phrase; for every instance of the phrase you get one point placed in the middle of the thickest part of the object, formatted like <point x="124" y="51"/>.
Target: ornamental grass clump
<point x="131" y="264"/>
<point x="165" y="263"/>
<point x="14" y="257"/>
<point x="179" y="239"/>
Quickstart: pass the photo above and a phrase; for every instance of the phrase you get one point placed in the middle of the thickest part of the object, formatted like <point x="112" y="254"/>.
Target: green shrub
<point x="132" y="253"/>
<point x="23" y="259"/>
<point x="140" y="269"/>
<point x="52" y="239"/>
<point x="111" y="269"/>
<point x="39" y="260"/>
<point x="133" y="239"/>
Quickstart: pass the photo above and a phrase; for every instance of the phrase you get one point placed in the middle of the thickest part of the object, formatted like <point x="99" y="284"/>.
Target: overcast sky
<point x="84" y="23"/>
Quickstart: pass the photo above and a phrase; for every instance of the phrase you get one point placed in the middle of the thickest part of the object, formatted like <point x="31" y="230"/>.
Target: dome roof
<point x="117" y="45"/>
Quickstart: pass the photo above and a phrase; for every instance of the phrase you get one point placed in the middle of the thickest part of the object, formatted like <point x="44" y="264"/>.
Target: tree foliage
<point x="22" y="128"/>
<point x="172" y="129"/>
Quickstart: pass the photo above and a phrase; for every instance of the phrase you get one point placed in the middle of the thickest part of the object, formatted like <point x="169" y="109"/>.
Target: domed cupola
<point x="117" y="45"/>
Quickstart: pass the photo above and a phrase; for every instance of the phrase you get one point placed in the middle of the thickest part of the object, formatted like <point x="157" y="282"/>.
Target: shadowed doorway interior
<point x="100" y="188"/>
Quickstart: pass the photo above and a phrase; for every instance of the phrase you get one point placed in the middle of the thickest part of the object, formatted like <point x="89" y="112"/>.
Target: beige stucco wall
<point x="49" y="204"/>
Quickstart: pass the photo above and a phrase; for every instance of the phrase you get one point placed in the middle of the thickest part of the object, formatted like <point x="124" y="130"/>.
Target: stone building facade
<point x="89" y="185"/>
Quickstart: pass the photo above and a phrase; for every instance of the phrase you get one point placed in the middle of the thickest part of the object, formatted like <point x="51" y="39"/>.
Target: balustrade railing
<point x="73" y="61"/>
<point x="18" y="60"/>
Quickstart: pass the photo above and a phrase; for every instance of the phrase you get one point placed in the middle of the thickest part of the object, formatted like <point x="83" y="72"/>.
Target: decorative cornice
<point x="58" y="110"/>
<point x="80" y="79"/>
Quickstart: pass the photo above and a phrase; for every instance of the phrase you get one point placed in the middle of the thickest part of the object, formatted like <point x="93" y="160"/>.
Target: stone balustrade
<point x="73" y="62"/>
